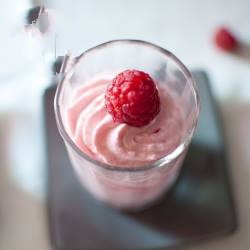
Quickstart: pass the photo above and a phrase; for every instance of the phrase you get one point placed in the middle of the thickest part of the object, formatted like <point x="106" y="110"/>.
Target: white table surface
<point x="183" y="27"/>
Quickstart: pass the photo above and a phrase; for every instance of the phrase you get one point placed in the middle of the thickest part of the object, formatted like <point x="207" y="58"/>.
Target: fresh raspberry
<point x="225" y="40"/>
<point x="133" y="98"/>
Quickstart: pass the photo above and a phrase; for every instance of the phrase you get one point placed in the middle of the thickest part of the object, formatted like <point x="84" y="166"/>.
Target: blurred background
<point x="186" y="28"/>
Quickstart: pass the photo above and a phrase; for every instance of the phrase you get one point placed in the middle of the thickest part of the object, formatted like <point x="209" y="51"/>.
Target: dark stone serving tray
<point x="198" y="207"/>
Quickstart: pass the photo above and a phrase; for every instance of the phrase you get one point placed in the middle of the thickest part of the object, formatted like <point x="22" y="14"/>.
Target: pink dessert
<point x="127" y="131"/>
<point x="97" y="135"/>
<point x="90" y="125"/>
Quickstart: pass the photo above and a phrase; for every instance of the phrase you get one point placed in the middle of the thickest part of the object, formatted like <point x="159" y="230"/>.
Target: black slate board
<point x="198" y="207"/>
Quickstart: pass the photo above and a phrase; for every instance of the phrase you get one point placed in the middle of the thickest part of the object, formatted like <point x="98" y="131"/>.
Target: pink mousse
<point x="97" y="135"/>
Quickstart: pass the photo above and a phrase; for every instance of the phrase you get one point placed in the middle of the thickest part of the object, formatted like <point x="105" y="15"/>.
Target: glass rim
<point x="157" y="163"/>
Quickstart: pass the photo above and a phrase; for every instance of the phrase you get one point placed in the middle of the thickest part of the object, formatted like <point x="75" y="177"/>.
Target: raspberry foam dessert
<point x="126" y="121"/>
<point x="127" y="111"/>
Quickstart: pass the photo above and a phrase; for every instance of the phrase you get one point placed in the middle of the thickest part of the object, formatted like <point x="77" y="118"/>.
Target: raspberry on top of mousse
<point x="133" y="98"/>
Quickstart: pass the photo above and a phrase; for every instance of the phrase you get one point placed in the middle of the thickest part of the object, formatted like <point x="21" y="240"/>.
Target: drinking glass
<point x="129" y="188"/>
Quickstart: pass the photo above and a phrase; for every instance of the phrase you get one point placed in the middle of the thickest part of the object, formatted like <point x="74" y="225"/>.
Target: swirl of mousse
<point x="126" y="121"/>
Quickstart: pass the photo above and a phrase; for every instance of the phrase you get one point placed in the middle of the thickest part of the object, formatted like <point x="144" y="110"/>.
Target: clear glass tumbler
<point x="130" y="188"/>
